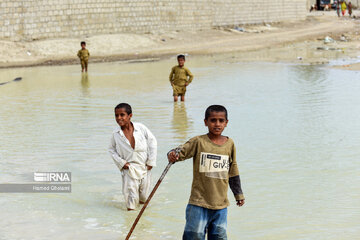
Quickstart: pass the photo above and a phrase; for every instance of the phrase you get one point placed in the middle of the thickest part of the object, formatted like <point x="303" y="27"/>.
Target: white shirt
<point x="144" y="152"/>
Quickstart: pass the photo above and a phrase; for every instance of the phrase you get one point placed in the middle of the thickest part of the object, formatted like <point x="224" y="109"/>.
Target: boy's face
<point x="121" y="117"/>
<point x="181" y="62"/>
<point x="216" y="122"/>
<point x="83" y="46"/>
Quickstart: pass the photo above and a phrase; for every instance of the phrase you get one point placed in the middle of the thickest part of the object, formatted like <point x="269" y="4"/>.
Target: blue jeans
<point x="200" y="220"/>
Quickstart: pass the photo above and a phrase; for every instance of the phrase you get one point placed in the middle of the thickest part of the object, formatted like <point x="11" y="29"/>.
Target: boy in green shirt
<point x="84" y="55"/>
<point x="179" y="78"/>
<point x="214" y="169"/>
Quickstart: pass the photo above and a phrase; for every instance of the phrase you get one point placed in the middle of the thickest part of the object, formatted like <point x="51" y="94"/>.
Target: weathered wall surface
<point x="38" y="19"/>
<point x="232" y="12"/>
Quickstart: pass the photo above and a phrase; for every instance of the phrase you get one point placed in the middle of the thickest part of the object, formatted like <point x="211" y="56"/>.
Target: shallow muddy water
<point x="296" y="128"/>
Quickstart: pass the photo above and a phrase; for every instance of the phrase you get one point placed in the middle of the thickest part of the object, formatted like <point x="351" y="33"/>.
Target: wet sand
<point x="285" y="37"/>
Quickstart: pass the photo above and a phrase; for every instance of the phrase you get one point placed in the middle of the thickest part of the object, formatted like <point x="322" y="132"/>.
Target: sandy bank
<point x="117" y="47"/>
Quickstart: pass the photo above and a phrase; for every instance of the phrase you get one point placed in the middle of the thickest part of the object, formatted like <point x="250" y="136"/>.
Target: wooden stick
<point x="148" y="200"/>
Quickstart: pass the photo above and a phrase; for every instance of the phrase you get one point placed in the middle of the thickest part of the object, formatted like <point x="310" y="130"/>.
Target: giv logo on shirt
<point x="210" y="162"/>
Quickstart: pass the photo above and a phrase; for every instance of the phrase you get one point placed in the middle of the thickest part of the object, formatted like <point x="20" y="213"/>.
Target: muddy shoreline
<point x="284" y="37"/>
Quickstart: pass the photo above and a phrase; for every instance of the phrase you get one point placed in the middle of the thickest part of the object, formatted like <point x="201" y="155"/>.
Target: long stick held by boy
<point x="214" y="169"/>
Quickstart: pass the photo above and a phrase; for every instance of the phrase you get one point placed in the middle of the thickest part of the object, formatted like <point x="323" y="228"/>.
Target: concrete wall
<point x="38" y="19"/>
<point x="233" y="12"/>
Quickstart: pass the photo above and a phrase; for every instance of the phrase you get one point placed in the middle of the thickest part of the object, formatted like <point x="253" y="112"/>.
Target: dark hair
<point x="83" y="43"/>
<point x="181" y="56"/>
<point x="126" y="106"/>
<point x="215" y="108"/>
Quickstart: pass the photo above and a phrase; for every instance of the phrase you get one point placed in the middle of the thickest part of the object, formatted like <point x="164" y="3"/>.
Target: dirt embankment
<point x="243" y="39"/>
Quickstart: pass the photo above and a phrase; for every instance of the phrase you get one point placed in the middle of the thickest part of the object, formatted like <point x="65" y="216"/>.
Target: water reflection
<point x="85" y="83"/>
<point x="311" y="87"/>
<point x="310" y="73"/>
<point x="181" y="123"/>
<point x="312" y="129"/>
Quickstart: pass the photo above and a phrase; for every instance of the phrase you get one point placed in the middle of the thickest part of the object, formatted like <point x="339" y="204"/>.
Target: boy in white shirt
<point x="133" y="148"/>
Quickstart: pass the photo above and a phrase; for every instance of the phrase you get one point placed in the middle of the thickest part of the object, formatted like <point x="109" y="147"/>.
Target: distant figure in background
<point x="84" y="55"/>
<point x="180" y="77"/>
<point x="338" y="8"/>
<point x="350" y="8"/>
<point x="313" y="7"/>
<point x="343" y="8"/>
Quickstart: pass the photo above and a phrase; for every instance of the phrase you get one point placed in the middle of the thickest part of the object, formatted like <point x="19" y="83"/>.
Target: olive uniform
<point x="84" y="55"/>
<point x="214" y="169"/>
<point x="178" y="79"/>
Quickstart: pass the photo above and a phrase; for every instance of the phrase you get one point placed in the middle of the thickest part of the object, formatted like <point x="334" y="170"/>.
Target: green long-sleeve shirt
<point x="214" y="169"/>
<point x="179" y="76"/>
<point x="83" y="54"/>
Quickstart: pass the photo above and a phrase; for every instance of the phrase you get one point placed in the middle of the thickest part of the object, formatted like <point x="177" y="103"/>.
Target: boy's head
<point x="123" y="114"/>
<point x="181" y="60"/>
<point x="83" y="45"/>
<point x="216" y="119"/>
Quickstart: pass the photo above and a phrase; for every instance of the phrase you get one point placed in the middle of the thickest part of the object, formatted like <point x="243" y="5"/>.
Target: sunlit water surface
<point x="296" y="128"/>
